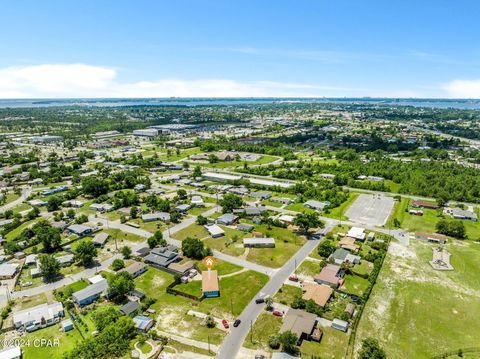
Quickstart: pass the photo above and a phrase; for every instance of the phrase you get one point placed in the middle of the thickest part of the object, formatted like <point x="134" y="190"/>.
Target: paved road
<point x="24" y="195"/>
<point x="234" y="340"/>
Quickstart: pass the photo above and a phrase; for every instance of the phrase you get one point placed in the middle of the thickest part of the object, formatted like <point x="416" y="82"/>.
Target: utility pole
<point x="208" y="343"/>
<point x="251" y="331"/>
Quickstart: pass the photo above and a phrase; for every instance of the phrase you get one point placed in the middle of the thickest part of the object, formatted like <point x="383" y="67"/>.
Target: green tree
<point x="201" y="220"/>
<point x="118" y="264"/>
<point x="156" y="240"/>
<point x="197" y="172"/>
<point x="182" y="194"/>
<point x="126" y="252"/>
<point x="85" y="252"/>
<point x="94" y="186"/>
<point x="194" y="248"/>
<point x="53" y="203"/>
<point x="230" y="201"/>
<point x="289" y="342"/>
<point x="371" y="350"/>
<point x="120" y="284"/>
<point x="49" y="267"/>
<point x="105" y="316"/>
<point x="308" y="220"/>
<point x="133" y="212"/>
<point x="326" y="248"/>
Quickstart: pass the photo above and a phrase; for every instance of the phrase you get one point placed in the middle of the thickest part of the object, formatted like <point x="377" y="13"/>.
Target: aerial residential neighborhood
<point x="254" y="180"/>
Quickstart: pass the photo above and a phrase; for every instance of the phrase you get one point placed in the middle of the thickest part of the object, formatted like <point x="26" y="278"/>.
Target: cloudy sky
<point x="206" y="48"/>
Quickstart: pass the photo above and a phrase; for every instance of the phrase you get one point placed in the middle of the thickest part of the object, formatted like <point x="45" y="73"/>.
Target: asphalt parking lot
<point x="370" y="209"/>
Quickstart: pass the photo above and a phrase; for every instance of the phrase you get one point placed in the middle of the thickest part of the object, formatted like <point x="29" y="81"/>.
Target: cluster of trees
<point x="305" y="221"/>
<point x="437" y="179"/>
<point x="230" y="201"/>
<point x="194" y="248"/>
<point x="452" y="228"/>
<point x="112" y="342"/>
<point x="40" y="233"/>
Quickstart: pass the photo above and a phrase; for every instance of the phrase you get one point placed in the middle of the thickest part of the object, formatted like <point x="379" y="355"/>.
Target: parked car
<point x="236" y="323"/>
<point x="277" y="313"/>
<point x="293" y="278"/>
<point x="225" y="324"/>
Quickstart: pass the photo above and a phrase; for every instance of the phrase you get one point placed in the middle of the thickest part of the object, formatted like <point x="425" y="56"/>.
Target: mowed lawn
<point x="417" y="312"/>
<point x="427" y="222"/>
<point x="286" y="243"/>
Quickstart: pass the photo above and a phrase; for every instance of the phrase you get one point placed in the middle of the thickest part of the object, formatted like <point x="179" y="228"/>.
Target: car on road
<point x="236" y="323"/>
<point x="277" y="313"/>
<point x="260" y="356"/>
<point x="260" y="300"/>
<point x="225" y="324"/>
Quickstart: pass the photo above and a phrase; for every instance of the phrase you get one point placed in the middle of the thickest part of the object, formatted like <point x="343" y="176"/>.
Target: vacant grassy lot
<point x="338" y="212"/>
<point x="265" y="326"/>
<point x="286" y="294"/>
<point x="433" y="307"/>
<point x="286" y="243"/>
<point x="332" y="345"/>
<point x="172" y="310"/>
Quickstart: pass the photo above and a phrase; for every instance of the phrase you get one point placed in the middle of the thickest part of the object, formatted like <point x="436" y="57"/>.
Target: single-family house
<point x="37" y="317"/>
<point x="162" y="256"/>
<point x="182" y="208"/>
<point x="245" y="227"/>
<point x="423" y="204"/>
<point x="300" y="323"/>
<point x="342" y="255"/>
<point x="9" y="270"/>
<point x="100" y="239"/>
<point x="319" y="293"/>
<point x="357" y="233"/>
<point x="261" y="195"/>
<point x="91" y="293"/>
<point x="227" y="219"/>
<point x="142" y="323"/>
<point x="157" y="216"/>
<point x="136" y="269"/>
<point x="259" y="242"/>
<point x="197" y="201"/>
<point x="329" y="275"/>
<point x="286" y="218"/>
<point x="214" y="230"/>
<point x="210" y="287"/>
<point x="79" y="229"/>
<point x="459" y="213"/>
<point x="316" y="205"/>
<point x="431" y="237"/>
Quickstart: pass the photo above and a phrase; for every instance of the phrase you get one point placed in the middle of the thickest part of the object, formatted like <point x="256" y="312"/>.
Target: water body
<point x="430" y="103"/>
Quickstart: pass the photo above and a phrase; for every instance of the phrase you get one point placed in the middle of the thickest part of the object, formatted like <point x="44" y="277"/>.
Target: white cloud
<point x="87" y="81"/>
<point x="463" y="89"/>
<point x="80" y="80"/>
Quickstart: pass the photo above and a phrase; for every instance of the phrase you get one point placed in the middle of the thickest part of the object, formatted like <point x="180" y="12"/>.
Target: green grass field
<point x="332" y="345"/>
<point x="338" y="212"/>
<point x="265" y="326"/>
<point x="433" y="307"/>
<point x="172" y="310"/>
<point x="287" y="293"/>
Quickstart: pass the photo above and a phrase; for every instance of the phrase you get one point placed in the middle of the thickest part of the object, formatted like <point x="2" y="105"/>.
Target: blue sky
<point x="239" y="48"/>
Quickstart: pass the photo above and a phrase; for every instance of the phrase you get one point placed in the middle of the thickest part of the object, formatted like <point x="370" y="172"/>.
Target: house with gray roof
<point x="227" y="219"/>
<point x="162" y="256"/>
<point x="91" y="293"/>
